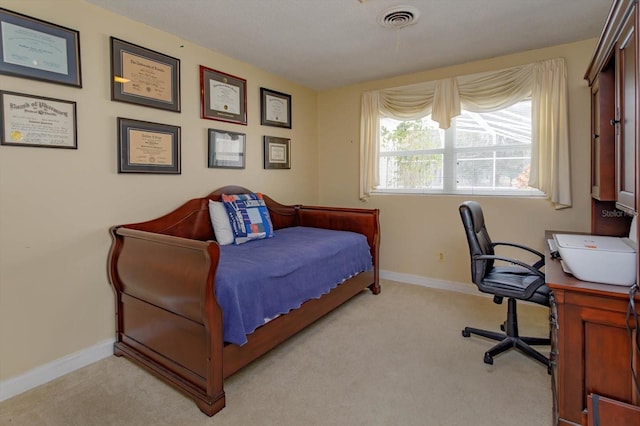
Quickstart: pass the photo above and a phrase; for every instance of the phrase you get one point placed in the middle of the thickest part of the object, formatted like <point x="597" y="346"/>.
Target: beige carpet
<point x="393" y="359"/>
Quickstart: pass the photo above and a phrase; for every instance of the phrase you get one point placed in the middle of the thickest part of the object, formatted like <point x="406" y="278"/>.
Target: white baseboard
<point x="52" y="370"/>
<point x="458" y="287"/>
<point x="431" y="282"/>
<point x="58" y="368"/>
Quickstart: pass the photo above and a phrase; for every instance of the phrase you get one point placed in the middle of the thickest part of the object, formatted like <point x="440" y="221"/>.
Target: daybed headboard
<point x="192" y="220"/>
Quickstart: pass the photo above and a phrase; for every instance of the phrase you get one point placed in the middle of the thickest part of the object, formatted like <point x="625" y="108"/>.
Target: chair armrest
<point x="531" y="288"/>
<point x="539" y="264"/>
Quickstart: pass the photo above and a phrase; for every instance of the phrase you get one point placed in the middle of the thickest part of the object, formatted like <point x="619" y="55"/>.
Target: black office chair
<point x="519" y="280"/>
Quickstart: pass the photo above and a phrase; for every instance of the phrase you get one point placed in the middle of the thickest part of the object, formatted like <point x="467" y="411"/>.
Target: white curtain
<point x="544" y="82"/>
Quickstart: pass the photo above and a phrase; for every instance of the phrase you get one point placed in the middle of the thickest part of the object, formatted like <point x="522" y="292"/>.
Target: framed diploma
<point x="145" y="147"/>
<point x="28" y="120"/>
<point x="226" y="149"/>
<point x="144" y="77"/>
<point x="277" y="153"/>
<point x="275" y="108"/>
<point x="223" y="96"/>
<point x="39" y="50"/>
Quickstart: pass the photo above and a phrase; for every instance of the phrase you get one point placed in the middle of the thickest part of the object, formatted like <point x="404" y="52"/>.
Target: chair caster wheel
<point x="465" y="333"/>
<point x="502" y="327"/>
<point x="488" y="359"/>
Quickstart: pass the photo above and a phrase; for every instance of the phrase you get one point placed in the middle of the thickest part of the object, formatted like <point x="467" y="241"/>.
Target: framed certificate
<point x="145" y="147"/>
<point x="39" y="50"/>
<point x="226" y="149"/>
<point x="277" y="153"/>
<point x="223" y="96"/>
<point x="28" y="120"/>
<point x="144" y="77"/>
<point x="275" y="108"/>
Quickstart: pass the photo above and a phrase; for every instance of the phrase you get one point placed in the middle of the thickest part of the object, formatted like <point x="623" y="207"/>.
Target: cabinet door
<point x="607" y="343"/>
<point x="626" y="113"/>
<point x="603" y="140"/>
<point x="593" y="353"/>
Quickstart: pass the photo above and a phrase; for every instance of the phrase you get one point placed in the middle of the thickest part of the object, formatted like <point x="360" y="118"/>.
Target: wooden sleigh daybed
<point x="168" y="317"/>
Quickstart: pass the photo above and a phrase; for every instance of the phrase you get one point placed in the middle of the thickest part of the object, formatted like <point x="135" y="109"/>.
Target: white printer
<point x="609" y="260"/>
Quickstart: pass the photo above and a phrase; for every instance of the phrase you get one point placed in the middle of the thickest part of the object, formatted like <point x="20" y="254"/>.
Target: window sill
<point x="474" y="193"/>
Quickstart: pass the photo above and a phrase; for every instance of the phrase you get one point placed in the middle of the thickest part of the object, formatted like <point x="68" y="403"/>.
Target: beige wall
<point x="415" y="229"/>
<point x="56" y="205"/>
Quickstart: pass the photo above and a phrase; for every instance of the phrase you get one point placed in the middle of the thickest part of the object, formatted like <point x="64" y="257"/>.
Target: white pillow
<point x="220" y="222"/>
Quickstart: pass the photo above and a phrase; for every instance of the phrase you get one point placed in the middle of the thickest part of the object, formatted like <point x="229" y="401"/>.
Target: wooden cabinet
<point x="593" y="348"/>
<point x="613" y="78"/>
<point x="591" y="344"/>
<point x="626" y="76"/>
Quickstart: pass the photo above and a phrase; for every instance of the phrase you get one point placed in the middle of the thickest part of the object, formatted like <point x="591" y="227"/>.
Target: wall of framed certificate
<point x="41" y="50"/>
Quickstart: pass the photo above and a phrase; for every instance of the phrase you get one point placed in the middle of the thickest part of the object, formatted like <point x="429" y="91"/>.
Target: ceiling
<point x="324" y="44"/>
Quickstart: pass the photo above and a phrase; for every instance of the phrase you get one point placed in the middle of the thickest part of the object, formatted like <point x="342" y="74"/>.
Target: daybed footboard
<point x="167" y="317"/>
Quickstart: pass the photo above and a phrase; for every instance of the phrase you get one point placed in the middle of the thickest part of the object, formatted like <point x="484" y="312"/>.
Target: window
<point x="454" y="166"/>
<point x="481" y="153"/>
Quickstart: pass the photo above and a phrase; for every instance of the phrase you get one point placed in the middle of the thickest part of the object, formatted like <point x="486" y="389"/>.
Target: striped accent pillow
<point x="248" y="216"/>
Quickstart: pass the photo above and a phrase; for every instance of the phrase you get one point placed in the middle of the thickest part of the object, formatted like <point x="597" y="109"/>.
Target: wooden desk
<point x="591" y="346"/>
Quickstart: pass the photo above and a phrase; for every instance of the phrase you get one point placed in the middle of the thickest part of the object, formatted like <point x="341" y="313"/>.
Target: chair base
<point x="511" y="339"/>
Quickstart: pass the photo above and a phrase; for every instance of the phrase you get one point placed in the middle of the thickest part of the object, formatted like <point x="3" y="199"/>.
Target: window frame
<point x="449" y="153"/>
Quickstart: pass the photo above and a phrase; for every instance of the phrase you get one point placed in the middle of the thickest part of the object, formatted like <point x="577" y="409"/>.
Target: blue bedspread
<point x="262" y="279"/>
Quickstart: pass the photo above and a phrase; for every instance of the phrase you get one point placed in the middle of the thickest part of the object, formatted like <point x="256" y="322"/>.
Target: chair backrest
<point x="478" y="239"/>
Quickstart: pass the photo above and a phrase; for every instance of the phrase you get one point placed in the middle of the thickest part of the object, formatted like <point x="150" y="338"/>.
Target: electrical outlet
<point x="441" y="256"/>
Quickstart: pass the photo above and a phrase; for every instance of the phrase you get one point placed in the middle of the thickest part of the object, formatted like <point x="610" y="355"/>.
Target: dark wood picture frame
<point x="223" y="96"/>
<point x="275" y="108"/>
<point x="29" y="120"/>
<point x="144" y="77"/>
<point x="39" y="50"/>
<point x="146" y="147"/>
<point x="277" y="153"/>
<point x="227" y="150"/>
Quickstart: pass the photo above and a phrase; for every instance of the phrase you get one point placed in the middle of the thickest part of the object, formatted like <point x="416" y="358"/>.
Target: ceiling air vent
<point x="398" y="17"/>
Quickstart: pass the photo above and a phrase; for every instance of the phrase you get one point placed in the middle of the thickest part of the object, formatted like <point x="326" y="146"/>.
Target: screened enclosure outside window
<point x="481" y="153"/>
